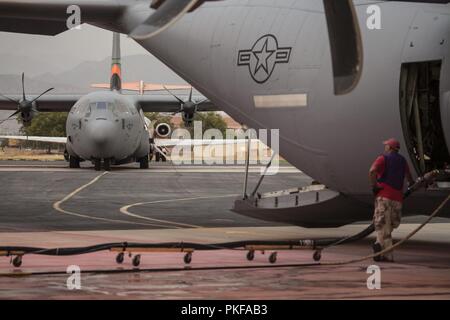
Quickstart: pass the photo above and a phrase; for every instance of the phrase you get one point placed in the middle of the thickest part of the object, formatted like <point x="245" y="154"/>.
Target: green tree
<point x="51" y="124"/>
<point x="157" y="118"/>
<point x="47" y="124"/>
<point x="210" y="120"/>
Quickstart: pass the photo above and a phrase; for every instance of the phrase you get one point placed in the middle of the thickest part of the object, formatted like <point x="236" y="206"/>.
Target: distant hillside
<point x="11" y="64"/>
<point x="134" y="68"/>
<point x="11" y="84"/>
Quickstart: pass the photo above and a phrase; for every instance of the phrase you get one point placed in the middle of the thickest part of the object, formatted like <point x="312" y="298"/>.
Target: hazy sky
<point x="65" y="50"/>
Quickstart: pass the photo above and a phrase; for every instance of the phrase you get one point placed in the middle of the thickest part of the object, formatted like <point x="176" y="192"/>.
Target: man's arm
<point x="373" y="176"/>
<point x="376" y="169"/>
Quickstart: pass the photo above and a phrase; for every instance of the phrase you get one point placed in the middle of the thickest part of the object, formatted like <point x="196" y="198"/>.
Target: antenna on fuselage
<point x="116" y="67"/>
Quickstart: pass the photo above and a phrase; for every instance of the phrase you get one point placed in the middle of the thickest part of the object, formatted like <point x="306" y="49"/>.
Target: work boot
<point x="377" y="248"/>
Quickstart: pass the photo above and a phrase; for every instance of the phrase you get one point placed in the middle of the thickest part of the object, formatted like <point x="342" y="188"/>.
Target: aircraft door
<point x="446" y="117"/>
<point x="425" y="118"/>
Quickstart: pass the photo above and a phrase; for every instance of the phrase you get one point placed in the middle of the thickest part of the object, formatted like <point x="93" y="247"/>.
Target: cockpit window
<point x="101" y="105"/>
<point x="82" y="109"/>
<point x="121" y="108"/>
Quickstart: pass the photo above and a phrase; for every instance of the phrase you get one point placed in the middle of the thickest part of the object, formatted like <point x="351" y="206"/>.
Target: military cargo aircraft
<point x="106" y="126"/>
<point x="335" y="84"/>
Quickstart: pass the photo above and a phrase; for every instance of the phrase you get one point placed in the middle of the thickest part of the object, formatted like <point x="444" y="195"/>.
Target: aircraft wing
<point x="196" y="142"/>
<point x="49" y="17"/>
<point x="61" y="140"/>
<point x="47" y="103"/>
<point x="166" y="103"/>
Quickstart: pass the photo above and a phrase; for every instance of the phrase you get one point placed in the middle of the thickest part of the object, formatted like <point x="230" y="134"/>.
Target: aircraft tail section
<point x="116" y="67"/>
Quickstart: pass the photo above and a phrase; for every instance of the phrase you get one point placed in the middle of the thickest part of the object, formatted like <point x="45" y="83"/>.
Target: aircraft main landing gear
<point x="143" y="162"/>
<point x="74" y="162"/>
<point x="98" y="164"/>
<point x="107" y="164"/>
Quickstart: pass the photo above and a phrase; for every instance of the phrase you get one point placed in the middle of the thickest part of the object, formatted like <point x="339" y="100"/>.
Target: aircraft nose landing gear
<point x="98" y="164"/>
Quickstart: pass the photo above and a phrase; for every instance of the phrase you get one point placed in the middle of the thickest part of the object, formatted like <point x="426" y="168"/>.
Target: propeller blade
<point x="181" y="101"/>
<point x="23" y="85"/>
<point x="9" y="99"/>
<point x="190" y="95"/>
<point x="203" y="101"/>
<point x="46" y="91"/>
<point x="9" y="118"/>
<point x="14" y="114"/>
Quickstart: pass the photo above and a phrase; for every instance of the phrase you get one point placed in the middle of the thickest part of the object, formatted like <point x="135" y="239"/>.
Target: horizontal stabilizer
<point x="141" y="86"/>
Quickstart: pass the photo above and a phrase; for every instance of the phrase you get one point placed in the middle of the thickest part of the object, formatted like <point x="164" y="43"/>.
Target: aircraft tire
<point x="97" y="164"/>
<point x="107" y="164"/>
<point x="143" y="162"/>
<point x="74" y="162"/>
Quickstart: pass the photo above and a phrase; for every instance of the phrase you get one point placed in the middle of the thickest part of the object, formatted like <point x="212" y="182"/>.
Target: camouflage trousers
<point x="386" y="218"/>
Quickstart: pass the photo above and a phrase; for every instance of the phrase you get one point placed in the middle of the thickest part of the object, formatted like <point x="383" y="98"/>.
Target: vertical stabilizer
<point x="116" y="68"/>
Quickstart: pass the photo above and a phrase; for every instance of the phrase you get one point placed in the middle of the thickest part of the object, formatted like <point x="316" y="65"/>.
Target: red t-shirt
<point x="388" y="191"/>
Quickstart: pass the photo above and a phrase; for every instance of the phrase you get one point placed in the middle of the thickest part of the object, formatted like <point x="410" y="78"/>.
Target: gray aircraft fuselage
<point x="106" y="125"/>
<point x="236" y="52"/>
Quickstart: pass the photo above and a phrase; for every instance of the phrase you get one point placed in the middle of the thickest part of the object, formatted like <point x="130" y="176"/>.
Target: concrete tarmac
<point x="48" y="205"/>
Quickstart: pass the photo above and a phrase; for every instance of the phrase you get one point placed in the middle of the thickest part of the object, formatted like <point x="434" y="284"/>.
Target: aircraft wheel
<point x="157" y="156"/>
<point x="187" y="258"/>
<point x="97" y="164"/>
<point x="251" y="255"/>
<point x="74" y="162"/>
<point x="120" y="257"/>
<point x="317" y="255"/>
<point x="107" y="164"/>
<point x="273" y="257"/>
<point x="143" y="162"/>
<point x="17" y="261"/>
<point x="136" y="260"/>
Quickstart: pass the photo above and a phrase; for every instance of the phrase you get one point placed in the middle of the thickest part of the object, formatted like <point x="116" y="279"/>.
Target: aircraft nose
<point x="101" y="132"/>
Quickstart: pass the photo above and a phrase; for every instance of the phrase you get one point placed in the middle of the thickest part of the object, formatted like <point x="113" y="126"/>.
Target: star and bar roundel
<point x="262" y="58"/>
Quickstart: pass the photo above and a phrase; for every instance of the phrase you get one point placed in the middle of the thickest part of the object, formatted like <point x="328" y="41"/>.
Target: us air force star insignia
<point x="262" y="58"/>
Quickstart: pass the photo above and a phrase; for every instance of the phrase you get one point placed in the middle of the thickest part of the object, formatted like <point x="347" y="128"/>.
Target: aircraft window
<point x="101" y="105"/>
<point x="122" y="108"/>
<point x="83" y="109"/>
<point x="112" y="107"/>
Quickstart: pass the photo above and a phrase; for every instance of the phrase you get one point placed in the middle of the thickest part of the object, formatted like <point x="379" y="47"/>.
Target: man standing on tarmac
<point x="387" y="175"/>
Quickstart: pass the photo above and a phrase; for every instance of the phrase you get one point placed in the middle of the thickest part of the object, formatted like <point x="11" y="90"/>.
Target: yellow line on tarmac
<point x="125" y="209"/>
<point x="57" y="206"/>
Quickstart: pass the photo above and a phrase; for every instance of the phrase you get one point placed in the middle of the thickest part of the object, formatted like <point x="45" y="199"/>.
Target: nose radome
<point x="101" y="131"/>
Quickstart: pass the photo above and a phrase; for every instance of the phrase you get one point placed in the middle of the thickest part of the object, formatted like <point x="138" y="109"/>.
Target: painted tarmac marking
<point x="181" y="169"/>
<point x="57" y="207"/>
<point x="125" y="209"/>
